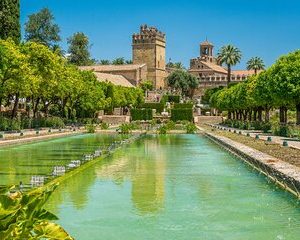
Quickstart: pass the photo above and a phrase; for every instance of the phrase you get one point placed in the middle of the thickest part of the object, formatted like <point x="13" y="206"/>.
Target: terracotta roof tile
<point x="107" y="68"/>
<point x="114" y="79"/>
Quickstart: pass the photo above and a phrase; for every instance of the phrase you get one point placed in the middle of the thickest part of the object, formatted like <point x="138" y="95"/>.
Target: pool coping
<point x="282" y="173"/>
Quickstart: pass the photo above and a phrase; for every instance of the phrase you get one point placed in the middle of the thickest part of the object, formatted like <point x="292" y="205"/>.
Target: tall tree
<point x="256" y="64"/>
<point x="183" y="81"/>
<point x="79" y="49"/>
<point x="10" y="20"/>
<point x="41" y="28"/>
<point x="230" y="56"/>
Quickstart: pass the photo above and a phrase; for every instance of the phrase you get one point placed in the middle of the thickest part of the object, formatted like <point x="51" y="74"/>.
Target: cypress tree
<point x="10" y="20"/>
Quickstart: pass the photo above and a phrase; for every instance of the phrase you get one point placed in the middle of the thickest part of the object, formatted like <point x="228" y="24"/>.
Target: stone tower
<point x="206" y="51"/>
<point x="149" y="47"/>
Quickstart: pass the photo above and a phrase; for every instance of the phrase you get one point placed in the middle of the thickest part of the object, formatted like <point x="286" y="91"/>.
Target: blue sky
<point x="265" y="28"/>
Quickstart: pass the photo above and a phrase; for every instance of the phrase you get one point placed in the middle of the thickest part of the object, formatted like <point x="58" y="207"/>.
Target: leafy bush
<point x="162" y="129"/>
<point x="158" y="106"/>
<point x="266" y="127"/>
<point x="54" y="122"/>
<point x="182" y="114"/>
<point x="91" y="128"/>
<point x="281" y="130"/>
<point x="104" y="126"/>
<point x="183" y="105"/>
<point x="174" y="98"/>
<point x="141" y="114"/>
<point x="125" y="128"/>
<point x="24" y="217"/>
<point x="170" y="125"/>
<point x="191" y="128"/>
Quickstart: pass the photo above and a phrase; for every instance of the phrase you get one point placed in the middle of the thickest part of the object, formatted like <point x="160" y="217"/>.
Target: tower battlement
<point x="148" y="34"/>
<point x="149" y="47"/>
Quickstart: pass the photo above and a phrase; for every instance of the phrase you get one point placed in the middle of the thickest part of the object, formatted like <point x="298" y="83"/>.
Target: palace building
<point x="210" y="72"/>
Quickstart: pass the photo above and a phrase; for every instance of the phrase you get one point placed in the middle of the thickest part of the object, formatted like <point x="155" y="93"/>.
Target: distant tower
<point x="149" y="47"/>
<point x="206" y="51"/>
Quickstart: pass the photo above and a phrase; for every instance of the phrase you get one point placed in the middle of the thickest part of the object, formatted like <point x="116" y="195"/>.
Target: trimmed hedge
<point x="174" y="98"/>
<point x="158" y="106"/>
<point x="141" y="114"/>
<point x="180" y="114"/>
<point x="183" y="105"/>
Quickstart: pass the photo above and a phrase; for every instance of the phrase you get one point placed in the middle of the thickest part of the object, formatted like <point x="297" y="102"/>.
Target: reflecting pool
<point x="174" y="187"/>
<point x="19" y="163"/>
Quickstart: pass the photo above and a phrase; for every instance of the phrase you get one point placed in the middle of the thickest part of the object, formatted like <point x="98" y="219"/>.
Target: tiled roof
<point x="114" y="79"/>
<point x="243" y="72"/>
<point x="206" y="43"/>
<point x="108" y="68"/>
<point x="214" y="67"/>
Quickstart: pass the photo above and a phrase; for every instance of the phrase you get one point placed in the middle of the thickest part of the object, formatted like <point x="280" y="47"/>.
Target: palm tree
<point x="256" y="64"/>
<point x="230" y="56"/>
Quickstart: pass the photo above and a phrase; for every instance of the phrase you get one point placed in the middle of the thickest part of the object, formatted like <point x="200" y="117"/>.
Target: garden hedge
<point x="141" y="114"/>
<point x="158" y="106"/>
<point x="183" y="105"/>
<point x="174" y="98"/>
<point x="180" y="114"/>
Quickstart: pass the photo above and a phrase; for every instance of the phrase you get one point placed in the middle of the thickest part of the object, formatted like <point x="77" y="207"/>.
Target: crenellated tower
<point x="149" y="47"/>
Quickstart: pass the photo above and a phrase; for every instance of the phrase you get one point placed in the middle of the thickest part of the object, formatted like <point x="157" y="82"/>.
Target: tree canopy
<point x="79" y="49"/>
<point x="10" y="20"/>
<point x="230" y="56"/>
<point x="41" y="28"/>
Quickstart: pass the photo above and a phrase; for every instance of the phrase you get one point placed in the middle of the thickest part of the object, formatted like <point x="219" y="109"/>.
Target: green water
<point x="174" y="187"/>
<point x="19" y="163"/>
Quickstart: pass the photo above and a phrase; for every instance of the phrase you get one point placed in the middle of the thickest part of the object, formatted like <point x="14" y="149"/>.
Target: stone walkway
<point x="292" y="142"/>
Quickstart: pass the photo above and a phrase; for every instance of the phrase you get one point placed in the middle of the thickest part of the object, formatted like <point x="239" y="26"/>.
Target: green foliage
<point x="23" y="216"/>
<point x="183" y="81"/>
<point x="180" y="114"/>
<point x="79" y="49"/>
<point x="141" y="114"/>
<point x="183" y="105"/>
<point x="230" y="56"/>
<point x="10" y="20"/>
<point x="191" y="128"/>
<point x="91" y="128"/>
<point x="42" y="29"/>
<point x="256" y="64"/>
<point x="173" y="98"/>
<point x="125" y="128"/>
<point x="162" y="129"/>
<point x="281" y="130"/>
<point x="170" y="125"/>
<point x="176" y="65"/>
<point x="104" y="126"/>
<point x="158" y="106"/>
<point x="118" y="61"/>
<point x="147" y="85"/>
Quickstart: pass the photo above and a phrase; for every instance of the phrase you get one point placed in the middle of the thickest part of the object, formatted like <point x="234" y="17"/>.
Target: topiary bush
<point x="158" y="106"/>
<point x="183" y="105"/>
<point x="181" y="114"/>
<point x="174" y="98"/>
<point x="141" y="114"/>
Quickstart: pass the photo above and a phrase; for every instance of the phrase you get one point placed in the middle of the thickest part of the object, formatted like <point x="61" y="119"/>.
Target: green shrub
<point x="183" y="105"/>
<point x="282" y="130"/>
<point x="174" y="98"/>
<point x="141" y="114"/>
<point x="191" y="128"/>
<point x="162" y="129"/>
<point x="266" y="127"/>
<point x="181" y="114"/>
<point x="91" y="128"/>
<point x="104" y="126"/>
<point x="4" y="124"/>
<point x="170" y="125"/>
<point x="54" y="122"/>
<point x="125" y="128"/>
<point x="158" y="106"/>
